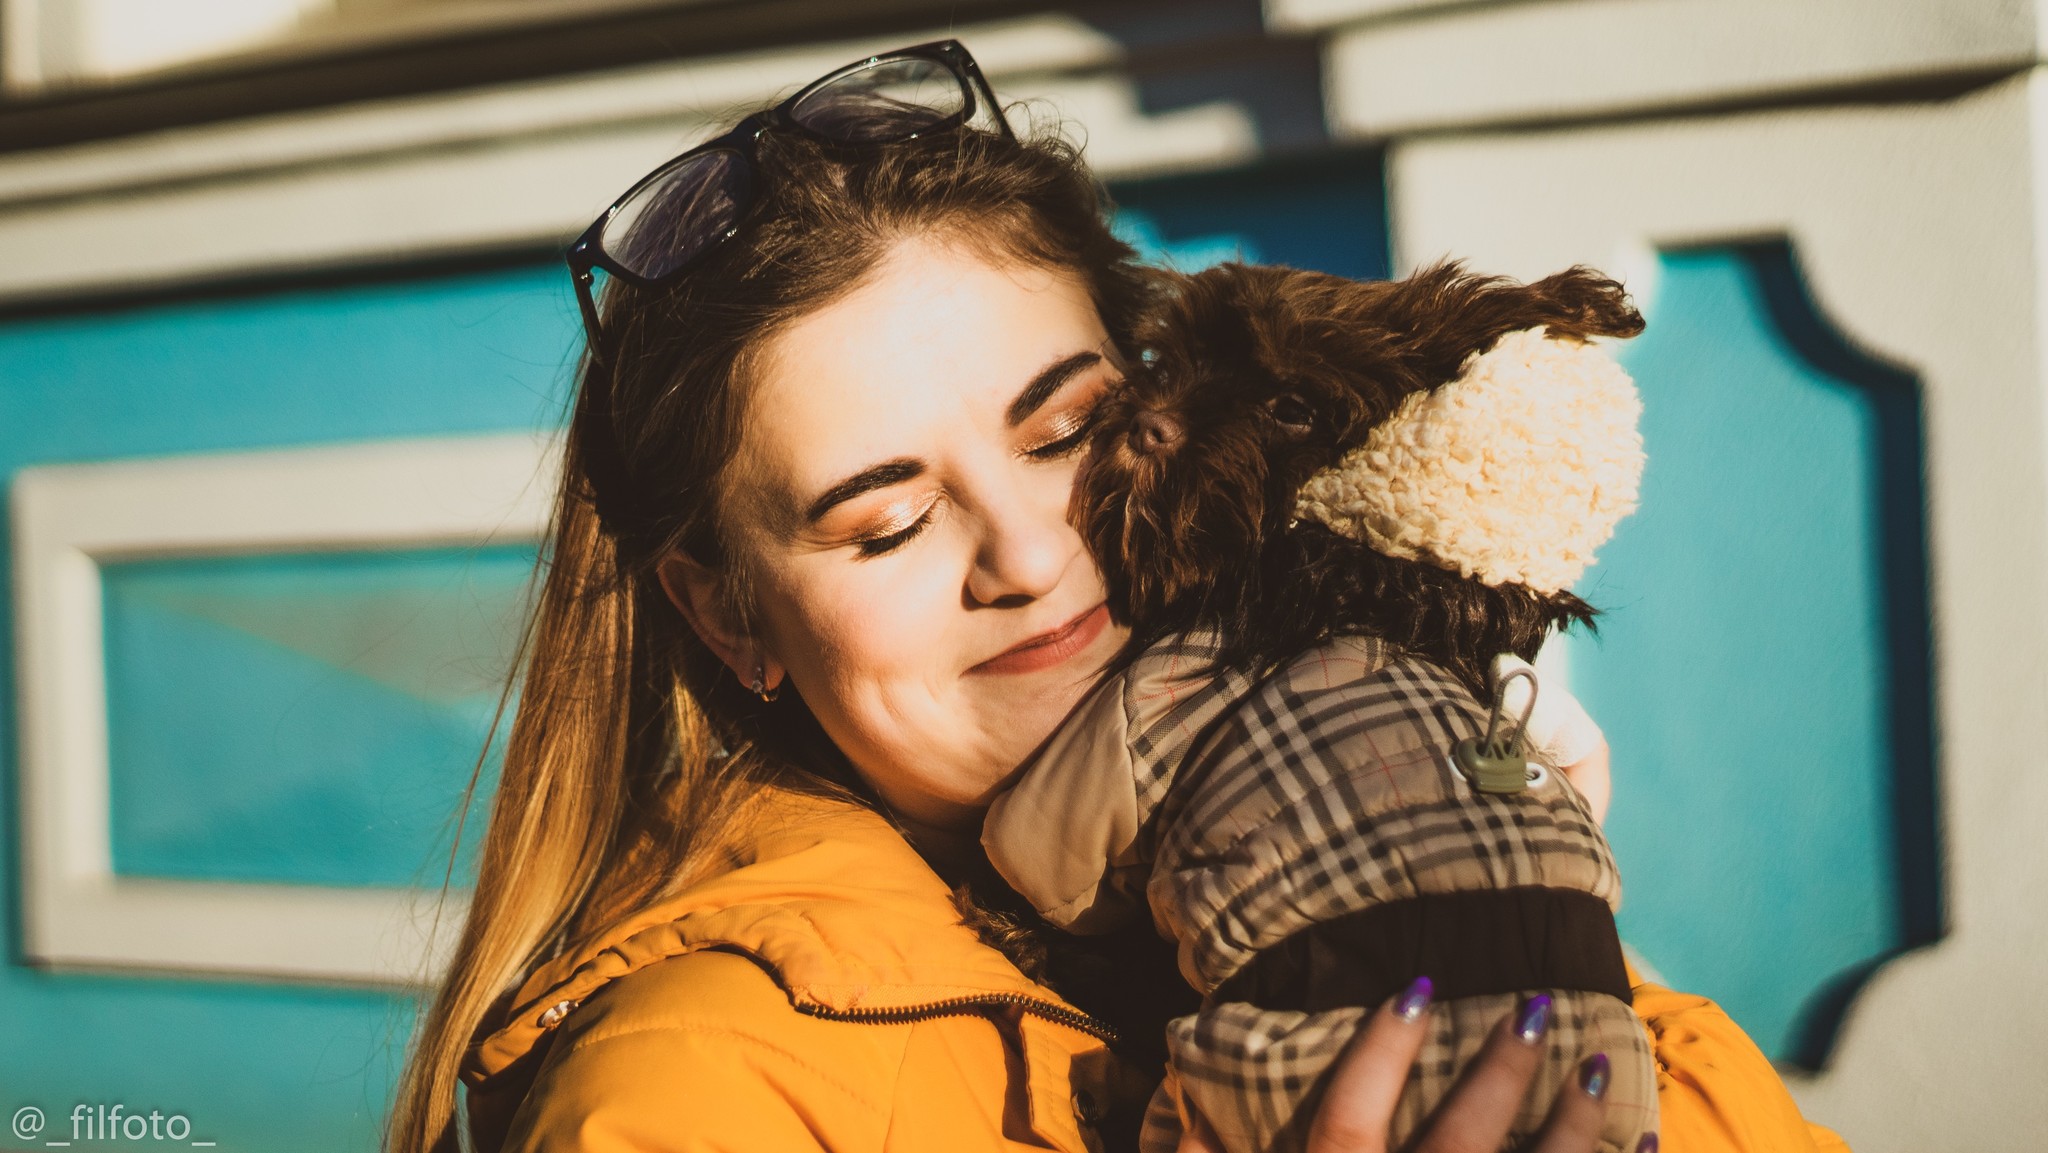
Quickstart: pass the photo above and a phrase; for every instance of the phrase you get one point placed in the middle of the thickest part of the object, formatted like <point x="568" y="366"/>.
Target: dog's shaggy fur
<point x="1251" y="379"/>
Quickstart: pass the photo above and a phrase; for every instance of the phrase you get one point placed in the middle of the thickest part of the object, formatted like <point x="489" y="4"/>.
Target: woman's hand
<point x="1357" y="1113"/>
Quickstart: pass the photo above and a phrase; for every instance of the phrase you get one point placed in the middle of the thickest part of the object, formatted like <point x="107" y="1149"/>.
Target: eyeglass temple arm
<point x="985" y="92"/>
<point x="586" y="300"/>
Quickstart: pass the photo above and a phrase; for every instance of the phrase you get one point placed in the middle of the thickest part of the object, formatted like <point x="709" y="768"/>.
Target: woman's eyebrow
<point x="1047" y="382"/>
<point x="866" y="480"/>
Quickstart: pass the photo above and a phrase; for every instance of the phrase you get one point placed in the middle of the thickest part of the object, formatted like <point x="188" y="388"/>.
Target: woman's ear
<point x="695" y="591"/>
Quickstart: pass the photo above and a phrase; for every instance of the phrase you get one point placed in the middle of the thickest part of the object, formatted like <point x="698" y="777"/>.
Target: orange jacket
<point x="825" y="996"/>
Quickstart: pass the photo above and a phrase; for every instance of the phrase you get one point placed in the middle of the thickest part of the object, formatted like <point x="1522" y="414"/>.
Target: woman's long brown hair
<point x="633" y="753"/>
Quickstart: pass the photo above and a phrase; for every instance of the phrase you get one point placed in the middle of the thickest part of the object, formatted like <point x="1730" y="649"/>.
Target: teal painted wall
<point x="260" y="1067"/>
<point x="1744" y="667"/>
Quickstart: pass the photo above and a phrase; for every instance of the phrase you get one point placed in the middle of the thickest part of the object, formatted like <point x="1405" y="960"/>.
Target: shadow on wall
<point x="1203" y="51"/>
<point x="1898" y="479"/>
<point x="1326" y="214"/>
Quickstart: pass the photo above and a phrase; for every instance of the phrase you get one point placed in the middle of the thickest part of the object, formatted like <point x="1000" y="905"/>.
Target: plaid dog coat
<point x="1280" y="828"/>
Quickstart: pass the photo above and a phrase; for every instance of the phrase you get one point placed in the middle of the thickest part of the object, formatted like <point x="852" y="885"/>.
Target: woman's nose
<point x="1024" y="553"/>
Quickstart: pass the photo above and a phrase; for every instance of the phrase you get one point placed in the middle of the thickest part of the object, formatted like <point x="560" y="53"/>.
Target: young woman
<point x="811" y="599"/>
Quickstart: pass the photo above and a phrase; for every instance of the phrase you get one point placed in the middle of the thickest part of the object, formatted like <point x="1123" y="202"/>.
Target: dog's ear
<point x="1445" y="313"/>
<point x="1581" y="303"/>
<point x="1285" y="373"/>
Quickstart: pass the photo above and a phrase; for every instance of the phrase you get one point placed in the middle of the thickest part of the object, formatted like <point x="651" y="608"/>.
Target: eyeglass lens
<point x="689" y="206"/>
<point x="891" y="100"/>
<point x="678" y="213"/>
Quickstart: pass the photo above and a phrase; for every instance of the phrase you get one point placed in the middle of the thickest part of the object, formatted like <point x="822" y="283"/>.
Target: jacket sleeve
<point x="1716" y="1091"/>
<point x="722" y="1067"/>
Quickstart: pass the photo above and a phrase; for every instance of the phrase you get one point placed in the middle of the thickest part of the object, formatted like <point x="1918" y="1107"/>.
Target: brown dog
<point x="1325" y="506"/>
<point x="1251" y="380"/>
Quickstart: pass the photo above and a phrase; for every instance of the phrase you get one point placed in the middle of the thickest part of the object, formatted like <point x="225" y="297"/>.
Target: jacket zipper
<point x="965" y="1006"/>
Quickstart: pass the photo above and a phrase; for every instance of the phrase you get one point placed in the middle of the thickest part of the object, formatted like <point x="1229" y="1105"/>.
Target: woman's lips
<point x="1046" y="650"/>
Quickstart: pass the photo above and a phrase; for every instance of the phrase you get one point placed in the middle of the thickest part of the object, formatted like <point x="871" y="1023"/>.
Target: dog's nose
<point x="1154" y="432"/>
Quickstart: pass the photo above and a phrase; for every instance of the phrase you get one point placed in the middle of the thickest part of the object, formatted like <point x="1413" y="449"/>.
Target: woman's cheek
<point x="870" y="620"/>
<point x="906" y="609"/>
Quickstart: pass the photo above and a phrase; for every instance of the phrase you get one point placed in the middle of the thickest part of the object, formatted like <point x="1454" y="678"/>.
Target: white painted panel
<point x="1920" y="228"/>
<point x="68" y="519"/>
<point x="1306" y="15"/>
<point x="1521" y="63"/>
<point x="120" y="37"/>
<point x="298" y="932"/>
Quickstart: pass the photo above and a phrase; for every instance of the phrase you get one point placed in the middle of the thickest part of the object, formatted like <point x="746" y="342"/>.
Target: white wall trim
<point x="68" y="520"/>
<point x="1495" y="64"/>
<point x="1310" y="15"/>
<point x="1919" y="228"/>
<point x="493" y="168"/>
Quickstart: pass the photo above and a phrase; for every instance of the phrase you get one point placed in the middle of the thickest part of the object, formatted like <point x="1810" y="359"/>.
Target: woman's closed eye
<point x="1069" y="433"/>
<point x="1067" y="443"/>
<point x="1069" y="430"/>
<point x="1058" y="435"/>
<point x="895" y="533"/>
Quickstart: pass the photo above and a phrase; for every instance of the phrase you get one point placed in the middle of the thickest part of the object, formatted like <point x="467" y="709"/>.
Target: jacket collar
<point x="831" y="900"/>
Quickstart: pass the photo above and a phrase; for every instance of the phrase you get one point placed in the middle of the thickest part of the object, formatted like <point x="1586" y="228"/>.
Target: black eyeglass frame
<point x="587" y="252"/>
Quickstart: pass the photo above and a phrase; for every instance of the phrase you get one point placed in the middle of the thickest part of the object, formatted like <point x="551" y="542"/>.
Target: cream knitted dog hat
<point x="1513" y="473"/>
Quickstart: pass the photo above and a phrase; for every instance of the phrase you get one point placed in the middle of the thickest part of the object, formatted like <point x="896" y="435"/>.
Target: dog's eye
<point x="1291" y="413"/>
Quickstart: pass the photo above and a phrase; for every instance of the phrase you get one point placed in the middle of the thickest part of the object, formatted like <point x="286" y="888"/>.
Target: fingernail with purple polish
<point x="1414" y="999"/>
<point x="1593" y="1076"/>
<point x="1648" y="1144"/>
<point x="1534" y="1019"/>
